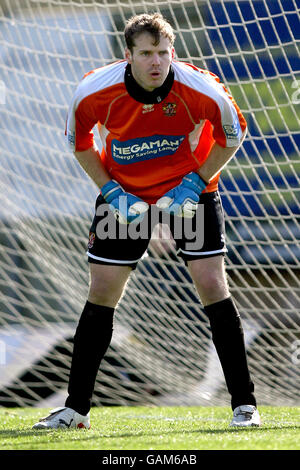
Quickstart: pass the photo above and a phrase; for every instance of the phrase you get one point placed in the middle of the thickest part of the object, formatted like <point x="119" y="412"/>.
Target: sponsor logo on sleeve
<point x="145" y="148"/>
<point x="232" y="131"/>
<point x="71" y="139"/>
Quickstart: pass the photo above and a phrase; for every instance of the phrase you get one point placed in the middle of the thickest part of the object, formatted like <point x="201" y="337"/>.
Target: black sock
<point x="92" y="338"/>
<point x="228" y="338"/>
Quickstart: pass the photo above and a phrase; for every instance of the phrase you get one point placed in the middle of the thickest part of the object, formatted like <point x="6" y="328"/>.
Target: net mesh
<point x="161" y="352"/>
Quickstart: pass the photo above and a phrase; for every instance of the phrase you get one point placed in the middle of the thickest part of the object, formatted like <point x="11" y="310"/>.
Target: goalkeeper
<point x="167" y="129"/>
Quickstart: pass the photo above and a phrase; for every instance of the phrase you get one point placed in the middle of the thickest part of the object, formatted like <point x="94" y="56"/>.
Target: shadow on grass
<point x="17" y="434"/>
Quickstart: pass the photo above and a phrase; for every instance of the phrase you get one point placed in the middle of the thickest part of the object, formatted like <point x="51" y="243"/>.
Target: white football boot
<point x="63" y="418"/>
<point x="246" y="416"/>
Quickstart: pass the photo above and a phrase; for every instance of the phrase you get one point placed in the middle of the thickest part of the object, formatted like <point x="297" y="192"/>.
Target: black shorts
<point x="124" y="245"/>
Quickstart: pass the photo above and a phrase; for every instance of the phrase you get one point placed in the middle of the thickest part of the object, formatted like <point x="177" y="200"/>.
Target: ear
<point x="128" y="55"/>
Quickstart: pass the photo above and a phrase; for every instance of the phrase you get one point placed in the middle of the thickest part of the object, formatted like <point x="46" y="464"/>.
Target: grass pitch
<point x="153" y="428"/>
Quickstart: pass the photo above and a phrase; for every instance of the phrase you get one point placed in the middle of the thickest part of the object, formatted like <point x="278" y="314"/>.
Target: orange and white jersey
<point x="148" y="148"/>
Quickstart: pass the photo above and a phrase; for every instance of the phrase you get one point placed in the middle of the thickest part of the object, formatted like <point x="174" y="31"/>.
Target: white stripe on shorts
<point x="222" y="250"/>
<point x="107" y="260"/>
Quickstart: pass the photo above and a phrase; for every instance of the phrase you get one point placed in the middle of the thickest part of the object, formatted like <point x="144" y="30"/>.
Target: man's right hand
<point x="126" y="207"/>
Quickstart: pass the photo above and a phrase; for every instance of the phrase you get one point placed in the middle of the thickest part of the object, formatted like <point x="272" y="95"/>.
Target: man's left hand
<point x="183" y="199"/>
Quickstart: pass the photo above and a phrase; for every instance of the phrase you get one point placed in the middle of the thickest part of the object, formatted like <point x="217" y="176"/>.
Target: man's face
<point x="150" y="64"/>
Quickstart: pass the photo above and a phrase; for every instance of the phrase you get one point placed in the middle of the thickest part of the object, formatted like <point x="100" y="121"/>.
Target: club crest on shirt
<point x="169" y="109"/>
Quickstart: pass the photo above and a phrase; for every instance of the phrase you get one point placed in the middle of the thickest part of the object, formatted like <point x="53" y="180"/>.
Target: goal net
<point x="161" y="352"/>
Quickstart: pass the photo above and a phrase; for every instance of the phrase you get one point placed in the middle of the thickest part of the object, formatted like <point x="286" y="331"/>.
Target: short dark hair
<point x="154" y="23"/>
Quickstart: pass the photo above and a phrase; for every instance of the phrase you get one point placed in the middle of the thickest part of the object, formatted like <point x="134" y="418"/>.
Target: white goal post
<point x="161" y="351"/>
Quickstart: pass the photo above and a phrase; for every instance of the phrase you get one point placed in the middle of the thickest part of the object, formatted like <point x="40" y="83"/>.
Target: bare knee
<point x="107" y="284"/>
<point x="213" y="288"/>
<point x="210" y="279"/>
